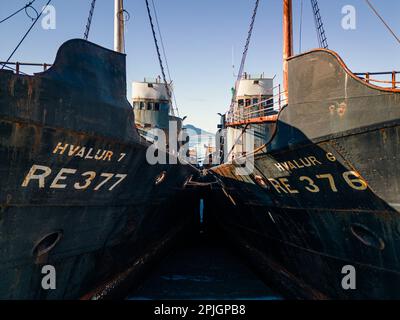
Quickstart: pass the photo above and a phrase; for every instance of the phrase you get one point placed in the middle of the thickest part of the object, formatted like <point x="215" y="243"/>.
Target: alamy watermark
<point x="47" y="15"/>
<point x="49" y="18"/>
<point x="349" y="20"/>
<point x="349" y="280"/>
<point x="49" y="278"/>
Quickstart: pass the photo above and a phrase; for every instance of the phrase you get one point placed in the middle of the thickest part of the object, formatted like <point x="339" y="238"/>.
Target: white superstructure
<point x="151" y="104"/>
<point x="253" y="93"/>
<point x="255" y="102"/>
<point x="255" y="87"/>
<point x="150" y="90"/>
<point x="152" y="107"/>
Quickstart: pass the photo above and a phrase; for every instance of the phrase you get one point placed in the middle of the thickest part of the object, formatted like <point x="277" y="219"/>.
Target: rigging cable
<point x="246" y="47"/>
<point x="89" y="21"/>
<point x="164" y="53"/>
<point x="33" y="8"/>
<point x="159" y="55"/>
<point x="301" y="27"/>
<point x="26" y="34"/>
<point x="244" y="55"/>
<point x="29" y="4"/>
<point x="239" y="77"/>
<point x="383" y="20"/>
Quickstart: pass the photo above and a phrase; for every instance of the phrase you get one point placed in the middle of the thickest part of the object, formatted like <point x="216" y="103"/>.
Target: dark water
<point x="206" y="269"/>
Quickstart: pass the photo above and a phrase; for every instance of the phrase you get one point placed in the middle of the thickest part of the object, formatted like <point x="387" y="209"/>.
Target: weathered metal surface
<point x="72" y="161"/>
<point x="332" y="190"/>
<point x="256" y="120"/>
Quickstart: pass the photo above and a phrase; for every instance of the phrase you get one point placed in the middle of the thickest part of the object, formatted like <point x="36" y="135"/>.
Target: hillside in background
<point x="198" y="131"/>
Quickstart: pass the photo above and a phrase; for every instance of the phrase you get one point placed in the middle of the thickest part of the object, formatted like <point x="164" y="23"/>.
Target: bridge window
<point x="255" y="101"/>
<point x="248" y="102"/>
<point x="266" y="102"/>
<point x="157" y="106"/>
<point x="150" y="106"/>
<point x="241" y="103"/>
<point x="141" y="105"/>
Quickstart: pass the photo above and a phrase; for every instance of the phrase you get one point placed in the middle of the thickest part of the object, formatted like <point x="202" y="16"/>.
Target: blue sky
<point x="199" y="36"/>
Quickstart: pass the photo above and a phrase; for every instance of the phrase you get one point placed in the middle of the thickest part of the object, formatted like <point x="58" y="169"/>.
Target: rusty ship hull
<point x="76" y="190"/>
<point x="325" y="191"/>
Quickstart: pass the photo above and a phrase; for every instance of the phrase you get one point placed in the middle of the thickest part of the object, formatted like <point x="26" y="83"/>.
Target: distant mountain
<point x="198" y="131"/>
<point x="200" y="140"/>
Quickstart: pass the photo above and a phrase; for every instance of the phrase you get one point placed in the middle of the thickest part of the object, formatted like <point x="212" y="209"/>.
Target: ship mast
<point x="287" y="43"/>
<point x="119" y="26"/>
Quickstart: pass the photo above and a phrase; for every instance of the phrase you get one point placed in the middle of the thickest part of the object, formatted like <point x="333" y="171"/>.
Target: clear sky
<point x="199" y="36"/>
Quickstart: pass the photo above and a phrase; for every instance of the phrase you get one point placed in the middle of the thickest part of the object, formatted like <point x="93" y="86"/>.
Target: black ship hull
<point x="77" y="191"/>
<point x="325" y="191"/>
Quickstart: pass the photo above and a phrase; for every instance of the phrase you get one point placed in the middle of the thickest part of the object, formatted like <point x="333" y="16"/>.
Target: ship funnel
<point x="287" y="42"/>
<point x="119" y="26"/>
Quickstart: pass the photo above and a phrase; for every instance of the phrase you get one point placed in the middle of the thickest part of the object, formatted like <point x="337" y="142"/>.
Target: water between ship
<point x="203" y="267"/>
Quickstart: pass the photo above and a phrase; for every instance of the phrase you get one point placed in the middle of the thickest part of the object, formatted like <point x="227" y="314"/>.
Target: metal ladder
<point x="319" y="25"/>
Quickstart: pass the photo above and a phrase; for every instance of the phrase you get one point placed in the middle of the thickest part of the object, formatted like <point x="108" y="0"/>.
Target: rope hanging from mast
<point x="301" y="27"/>
<point x="244" y="55"/>
<point x="161" y="39"/>
<point x="26" y="34"/>
<point x="89" y="21"/>
<point x="240" y="74"/>
<point x="28" y="5"/>
<point x="159" y="56"/>
<point x="383" y="20"/>
<point x="246" y="47"/>
<point x="164" y="53"/>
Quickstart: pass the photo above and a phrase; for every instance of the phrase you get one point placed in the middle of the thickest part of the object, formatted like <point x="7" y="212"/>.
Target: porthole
<point x="47" y="243"/>
<point x="367" y="237"/>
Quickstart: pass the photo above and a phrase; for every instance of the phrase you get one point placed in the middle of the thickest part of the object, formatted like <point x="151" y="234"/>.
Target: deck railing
<point x="259" y="112"/>
<point x="152" y="80"/>
<point x="366" y="76"/>
<point x="16" y="66"/>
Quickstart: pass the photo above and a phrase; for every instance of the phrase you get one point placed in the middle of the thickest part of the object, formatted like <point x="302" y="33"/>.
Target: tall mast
<point x="119" y="26"/>
<point x="287" y="42"/>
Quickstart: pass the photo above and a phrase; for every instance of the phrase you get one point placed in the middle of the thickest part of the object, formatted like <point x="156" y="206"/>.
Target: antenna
<point x="233" y="61"/>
